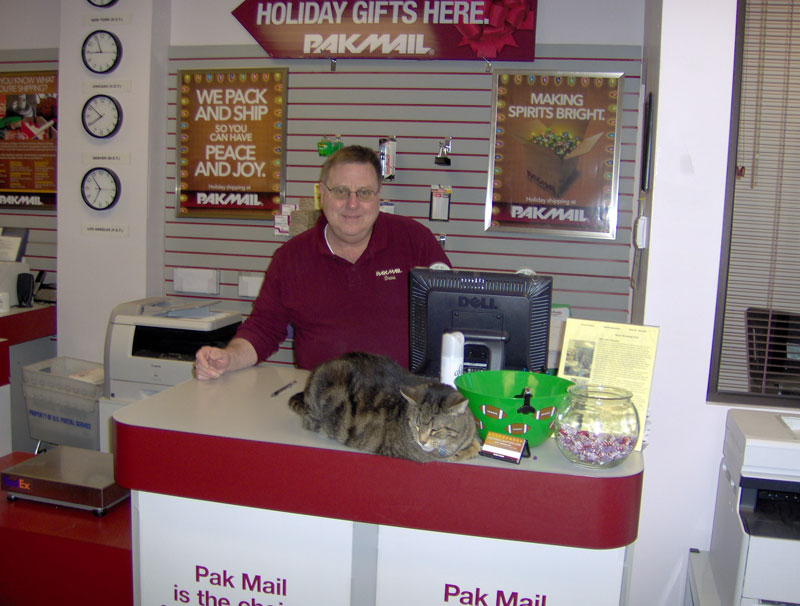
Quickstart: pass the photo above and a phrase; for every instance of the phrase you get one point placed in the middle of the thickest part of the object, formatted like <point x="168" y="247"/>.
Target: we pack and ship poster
<point x="231" y="142"/>
<point x="28" y="139"/>
<point x="555" y="158"/>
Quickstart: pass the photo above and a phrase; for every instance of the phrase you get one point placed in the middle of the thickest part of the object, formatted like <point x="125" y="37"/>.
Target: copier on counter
<point x="755" y="541"/>
<point x="151" y="343"/>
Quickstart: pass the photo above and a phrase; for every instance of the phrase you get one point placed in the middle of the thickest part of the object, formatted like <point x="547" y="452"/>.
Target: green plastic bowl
<point x="493" y="400"/>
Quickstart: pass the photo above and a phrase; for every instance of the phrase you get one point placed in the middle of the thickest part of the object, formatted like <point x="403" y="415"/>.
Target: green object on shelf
<point x="524" y="404"/>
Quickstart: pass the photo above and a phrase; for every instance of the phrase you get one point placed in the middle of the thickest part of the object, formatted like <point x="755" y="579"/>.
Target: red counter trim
<point x="575" y="511"/>
<point x="28" y="325"/>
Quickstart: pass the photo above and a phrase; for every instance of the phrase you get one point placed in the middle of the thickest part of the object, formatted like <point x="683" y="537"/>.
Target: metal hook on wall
<point x="445" y="147"/>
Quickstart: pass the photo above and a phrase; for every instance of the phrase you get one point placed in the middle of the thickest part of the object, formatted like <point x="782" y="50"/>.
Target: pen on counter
<point x="284" y="388"/>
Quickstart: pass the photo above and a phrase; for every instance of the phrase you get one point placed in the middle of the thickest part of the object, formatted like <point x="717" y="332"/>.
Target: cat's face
<point x="439" y="419"/>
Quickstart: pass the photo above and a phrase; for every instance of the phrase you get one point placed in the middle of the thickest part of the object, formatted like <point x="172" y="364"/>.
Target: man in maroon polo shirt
<point x="342" y="285"/>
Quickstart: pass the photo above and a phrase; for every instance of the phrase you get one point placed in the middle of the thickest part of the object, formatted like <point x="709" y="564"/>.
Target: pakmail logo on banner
<point x="393" y="29"/>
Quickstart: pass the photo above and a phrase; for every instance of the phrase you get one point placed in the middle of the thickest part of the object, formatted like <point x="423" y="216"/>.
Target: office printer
<point x="755" y="541"/>
<point x="151" y="343"/>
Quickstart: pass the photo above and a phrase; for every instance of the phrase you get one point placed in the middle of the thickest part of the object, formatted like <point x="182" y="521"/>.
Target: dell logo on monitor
<point x="477" y="302"/>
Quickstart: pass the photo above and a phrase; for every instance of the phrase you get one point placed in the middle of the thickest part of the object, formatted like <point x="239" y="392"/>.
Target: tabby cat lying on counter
<point x="371" y="403"/>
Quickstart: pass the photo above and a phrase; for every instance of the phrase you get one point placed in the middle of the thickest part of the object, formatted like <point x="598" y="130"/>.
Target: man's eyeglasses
<point x="342" y="193"/>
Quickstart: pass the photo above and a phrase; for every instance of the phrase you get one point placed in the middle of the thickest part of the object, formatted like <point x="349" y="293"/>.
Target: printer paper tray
<point x="769" y="510"/>
<point x="783" y="522"/>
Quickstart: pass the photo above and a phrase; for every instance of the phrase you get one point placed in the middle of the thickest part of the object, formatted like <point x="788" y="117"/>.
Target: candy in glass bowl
<point x="598" y="427"/>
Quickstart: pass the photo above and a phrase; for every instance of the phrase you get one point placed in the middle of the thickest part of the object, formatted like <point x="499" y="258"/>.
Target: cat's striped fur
<point x="372" y="404"/>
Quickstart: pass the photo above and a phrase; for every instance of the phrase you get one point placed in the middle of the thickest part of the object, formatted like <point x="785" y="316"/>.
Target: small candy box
<point x="504" y="447"/>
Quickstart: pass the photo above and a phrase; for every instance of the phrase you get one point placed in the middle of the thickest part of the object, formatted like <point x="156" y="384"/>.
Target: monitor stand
<point x="484" y="350"/>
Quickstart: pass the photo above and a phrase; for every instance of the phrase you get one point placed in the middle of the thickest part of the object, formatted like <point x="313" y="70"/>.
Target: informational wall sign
<point x="556" y="153"/>
<point x="402" y="29"/>
<point x="28" y="133"/>
<point x="231" y="142"/>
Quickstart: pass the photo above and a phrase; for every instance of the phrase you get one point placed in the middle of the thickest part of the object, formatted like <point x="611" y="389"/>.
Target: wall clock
<point x="101" y="52"/>
<point x="102" y="3"/>
<point x="101" y="116"/>
<point x="100" y="188"/>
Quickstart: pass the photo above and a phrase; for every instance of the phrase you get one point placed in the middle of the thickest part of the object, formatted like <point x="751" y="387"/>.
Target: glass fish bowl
<point x="598" y="427"/>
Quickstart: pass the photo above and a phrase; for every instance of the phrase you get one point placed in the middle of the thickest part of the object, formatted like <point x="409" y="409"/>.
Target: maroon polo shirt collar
<point x="379" y="239"/>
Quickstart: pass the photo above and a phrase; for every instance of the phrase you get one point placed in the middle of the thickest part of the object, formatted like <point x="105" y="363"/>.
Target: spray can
<point x="452" y="357"/>
<point x="387" y="149"/>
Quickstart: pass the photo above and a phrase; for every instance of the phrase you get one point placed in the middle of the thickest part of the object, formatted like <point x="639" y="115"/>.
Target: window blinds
<point x="760" y="332"/>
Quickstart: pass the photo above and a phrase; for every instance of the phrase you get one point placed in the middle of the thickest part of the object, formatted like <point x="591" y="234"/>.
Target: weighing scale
<point x="64" y="475"/>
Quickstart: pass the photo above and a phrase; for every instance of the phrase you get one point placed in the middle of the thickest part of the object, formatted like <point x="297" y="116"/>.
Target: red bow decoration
<point x="505" y="17"/>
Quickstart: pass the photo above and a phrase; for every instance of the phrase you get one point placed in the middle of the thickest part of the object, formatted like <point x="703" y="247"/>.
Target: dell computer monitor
<point x="505" y="319"/>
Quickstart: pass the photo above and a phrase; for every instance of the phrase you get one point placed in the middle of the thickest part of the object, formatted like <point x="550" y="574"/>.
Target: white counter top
<point x="231" y="441"/>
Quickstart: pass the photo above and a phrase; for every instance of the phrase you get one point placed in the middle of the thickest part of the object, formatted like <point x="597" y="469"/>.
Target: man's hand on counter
<point x="212" y="362"/>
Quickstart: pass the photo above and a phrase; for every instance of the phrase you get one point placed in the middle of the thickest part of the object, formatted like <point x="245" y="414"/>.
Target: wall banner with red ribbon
<point x="393" y="29"/>
<point x="556" y="155"/>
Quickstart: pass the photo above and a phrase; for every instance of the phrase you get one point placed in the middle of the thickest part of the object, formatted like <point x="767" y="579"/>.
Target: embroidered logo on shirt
<point x="388" y="274"/>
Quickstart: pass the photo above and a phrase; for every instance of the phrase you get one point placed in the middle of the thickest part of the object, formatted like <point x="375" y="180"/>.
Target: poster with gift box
<point x="556" y="153"/>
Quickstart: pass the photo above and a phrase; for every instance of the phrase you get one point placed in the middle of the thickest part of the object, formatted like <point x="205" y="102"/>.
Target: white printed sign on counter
<point x="436" y="569"/>
<point x="208" y="554"/>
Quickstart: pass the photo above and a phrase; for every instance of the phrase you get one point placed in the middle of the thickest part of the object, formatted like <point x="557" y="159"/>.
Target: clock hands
<point x="96" y="192"/>
<point x="101" y="51"/>
<point x="99" y="115"/>
<point x="100" y="188"/>
<point x="97" y="41"/>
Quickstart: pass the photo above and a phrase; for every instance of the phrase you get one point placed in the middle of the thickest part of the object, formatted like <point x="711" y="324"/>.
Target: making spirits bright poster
<point x="556" y="153"/>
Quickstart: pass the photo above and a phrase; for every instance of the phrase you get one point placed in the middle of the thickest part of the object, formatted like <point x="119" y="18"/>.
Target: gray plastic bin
<point x="61" y="398"/>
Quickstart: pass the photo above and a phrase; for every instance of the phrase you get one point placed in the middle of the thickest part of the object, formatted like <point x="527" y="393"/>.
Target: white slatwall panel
<point x="420" y="103"/>
<point x="42" y="224"/>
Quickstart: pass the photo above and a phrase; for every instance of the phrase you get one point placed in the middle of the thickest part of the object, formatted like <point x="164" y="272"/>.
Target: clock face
<point x="100" y="188"/>
<point x="102" y="3"/>
<point x="101" y="52"/>
<point x="102" y="116"/>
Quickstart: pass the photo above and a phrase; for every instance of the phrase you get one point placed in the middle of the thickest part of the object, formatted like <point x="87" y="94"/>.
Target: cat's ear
<point x="458" y="407"/>
<point x="414" y="394"/>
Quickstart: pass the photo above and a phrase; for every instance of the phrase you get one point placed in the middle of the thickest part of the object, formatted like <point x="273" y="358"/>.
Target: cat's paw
<point x="469" y="452"/>
<point x="311" y="424"/>
<point x="297" y="403"/>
